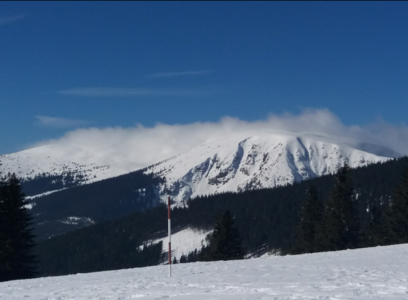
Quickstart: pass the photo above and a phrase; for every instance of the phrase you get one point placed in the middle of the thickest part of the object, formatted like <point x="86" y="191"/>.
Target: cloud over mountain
<point x="149" y="145"/>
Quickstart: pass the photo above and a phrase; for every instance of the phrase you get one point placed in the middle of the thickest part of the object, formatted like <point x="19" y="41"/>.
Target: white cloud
<point x="149" y="145"/>
<point x="179" y="74"/>
<point x="11" y="19"/>
<point x="128" y="92"/>
<point x="59" y="122"/>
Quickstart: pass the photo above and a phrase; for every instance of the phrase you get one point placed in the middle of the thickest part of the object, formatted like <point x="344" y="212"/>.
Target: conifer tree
<point x="397" y="217"/>
<point x="310" y="219"/>
<point x="16" y="239"/>
<point x="183" y="259"/>
<point x="225" y="241"/>
<point x="377" y="228"/>
<point x="341" y="226"/>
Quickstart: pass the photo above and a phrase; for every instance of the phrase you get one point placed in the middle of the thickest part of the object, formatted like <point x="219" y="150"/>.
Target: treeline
<point x="337" y="225"/>
<point x="267" y="220"/>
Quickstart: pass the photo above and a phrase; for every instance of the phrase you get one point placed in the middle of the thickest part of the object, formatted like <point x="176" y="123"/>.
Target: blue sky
<point x="69" y="65"/>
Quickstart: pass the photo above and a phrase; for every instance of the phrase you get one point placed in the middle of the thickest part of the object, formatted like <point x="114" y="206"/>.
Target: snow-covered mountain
<point x="244" y="161"/>
<point x="37" y="161"/>
<point x="265" y="160"/>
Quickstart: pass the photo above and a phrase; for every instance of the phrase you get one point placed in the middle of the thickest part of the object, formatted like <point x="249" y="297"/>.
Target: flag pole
<point x="169" y="223"/>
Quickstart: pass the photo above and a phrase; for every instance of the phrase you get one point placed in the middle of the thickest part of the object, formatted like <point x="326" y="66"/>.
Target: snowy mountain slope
<point x="268" y="159"/>
<point x="239" y="162"/>
<point x="371" y="273"/>
<point x="37" y="161"/>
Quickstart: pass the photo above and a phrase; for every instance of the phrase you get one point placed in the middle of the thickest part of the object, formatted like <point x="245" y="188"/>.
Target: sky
<point x="68" y="67"/>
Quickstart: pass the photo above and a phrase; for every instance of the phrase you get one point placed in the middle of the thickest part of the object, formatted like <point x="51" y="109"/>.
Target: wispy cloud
<point x="56" y="122"/>
<point x="178" y="74"/>
<point x="130" y="92"/>
<point x="137" y="147"/>
<point x="11" y="19"/>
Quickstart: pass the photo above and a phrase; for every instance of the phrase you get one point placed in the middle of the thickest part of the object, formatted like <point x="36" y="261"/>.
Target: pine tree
<point x="192" y="256"/>
<point x="225" y="241"/>
<point x="16" y="239"/>
<point x="377" y="228"/>
<point x="310" y="219"/>
<point x="397" y="217"/>
<point x="340" y="228"/>
<point x="183" y="259"/>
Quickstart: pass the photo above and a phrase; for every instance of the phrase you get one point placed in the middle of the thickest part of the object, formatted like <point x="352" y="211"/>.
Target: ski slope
<point x="372" y="273"/>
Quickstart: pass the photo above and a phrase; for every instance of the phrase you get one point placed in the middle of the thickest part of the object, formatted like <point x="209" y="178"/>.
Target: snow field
<point x="372" y="273"/>
<point x="183" y="242"/>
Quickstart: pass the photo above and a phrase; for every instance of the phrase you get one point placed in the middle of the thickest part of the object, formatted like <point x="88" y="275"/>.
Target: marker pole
<point x="169" y="222"/>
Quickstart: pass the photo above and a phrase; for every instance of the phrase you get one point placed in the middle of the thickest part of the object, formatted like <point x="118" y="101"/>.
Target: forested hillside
<point x="46" y="182"/>
<point x="106" y="246"/>
<point x="266" y="219"/>
<point x="81" y="206"/>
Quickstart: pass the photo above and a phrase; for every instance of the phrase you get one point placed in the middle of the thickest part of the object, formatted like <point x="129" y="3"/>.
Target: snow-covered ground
<point x="184" y="241"/>
<point x="374" y="273"/>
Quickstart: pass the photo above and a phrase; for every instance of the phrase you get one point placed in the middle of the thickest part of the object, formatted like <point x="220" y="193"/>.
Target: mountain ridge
<point x="239" y="162"/>
<point x="265" y="160"/>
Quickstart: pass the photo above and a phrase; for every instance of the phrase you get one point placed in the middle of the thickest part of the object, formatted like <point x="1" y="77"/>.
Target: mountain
<point x="244" y="161"/>
<point x="67" y="192"/>
<point x="265" y="160"/>
<point x="44" y="169"/>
